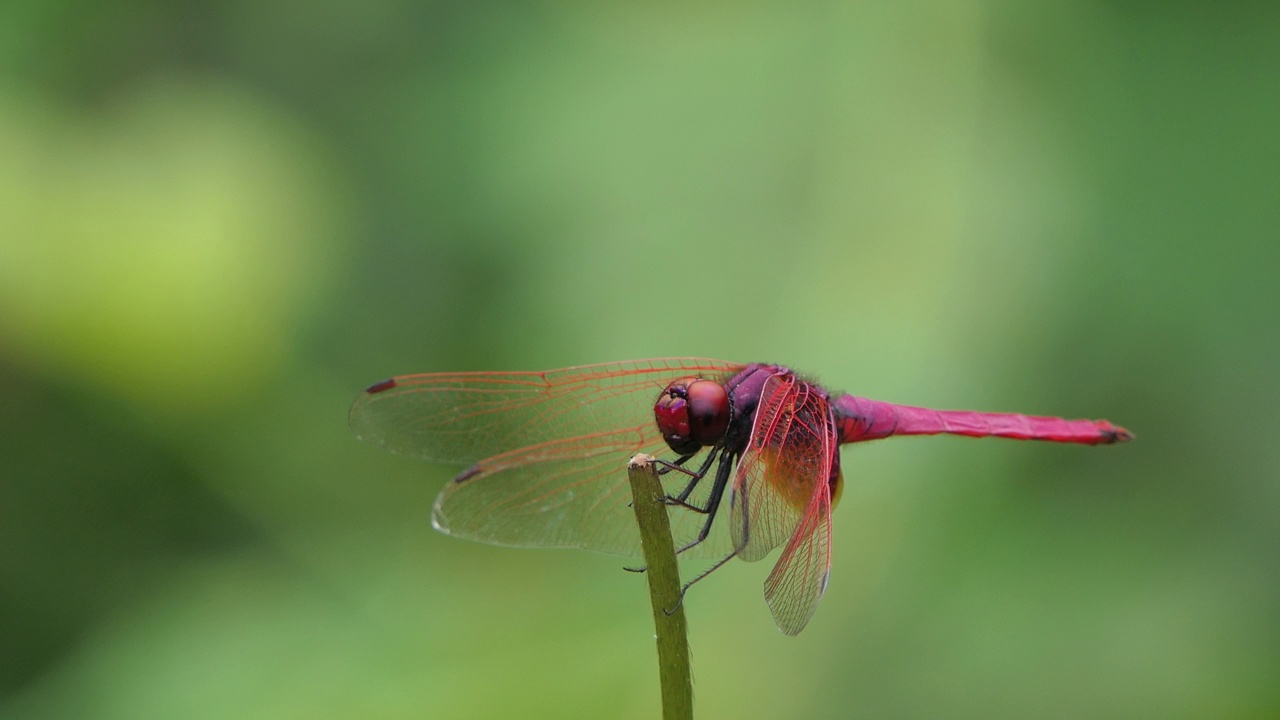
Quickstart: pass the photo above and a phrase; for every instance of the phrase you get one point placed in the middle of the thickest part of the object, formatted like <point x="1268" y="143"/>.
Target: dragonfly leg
<point x="719" y="564"/>
<point x="713" y="502"/>
<point x="666" y="466"/>
<point x="679" y="500"/>
<point x="695" y="477"/>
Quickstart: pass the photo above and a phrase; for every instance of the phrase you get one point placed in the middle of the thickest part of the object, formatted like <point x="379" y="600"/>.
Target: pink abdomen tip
<point x="1114" y="433"/>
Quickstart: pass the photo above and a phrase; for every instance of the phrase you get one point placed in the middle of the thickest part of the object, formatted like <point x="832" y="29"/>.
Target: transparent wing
<point x="547" y="450"/>
<point x="782" y="494"/>
<point x="469" y="416"/>
<point x="800" y="576"/>
<point x="760" y="518"/>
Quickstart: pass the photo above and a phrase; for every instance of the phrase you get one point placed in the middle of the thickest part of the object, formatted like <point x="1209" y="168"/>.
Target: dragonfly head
<point x="692" y="413"/>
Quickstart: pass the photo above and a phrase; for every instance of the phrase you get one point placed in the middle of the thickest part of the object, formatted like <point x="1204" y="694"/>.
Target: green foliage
<point x="218" y="222"/>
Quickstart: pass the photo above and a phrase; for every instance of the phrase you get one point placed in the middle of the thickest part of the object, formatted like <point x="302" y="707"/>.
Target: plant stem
<point x="664" y="588"/>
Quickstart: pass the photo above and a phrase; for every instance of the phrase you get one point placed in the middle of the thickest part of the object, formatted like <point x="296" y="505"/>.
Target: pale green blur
<point x="220" y="221"/>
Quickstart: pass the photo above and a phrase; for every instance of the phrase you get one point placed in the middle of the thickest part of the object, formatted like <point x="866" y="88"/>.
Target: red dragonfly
<point x="546" y="455"/>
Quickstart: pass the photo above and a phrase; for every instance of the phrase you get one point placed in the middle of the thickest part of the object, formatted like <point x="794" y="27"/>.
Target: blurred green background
<point x="220" y="220"/>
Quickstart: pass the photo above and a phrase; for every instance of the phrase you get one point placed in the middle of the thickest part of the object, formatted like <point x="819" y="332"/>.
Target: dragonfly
<point x="545" y="456"/>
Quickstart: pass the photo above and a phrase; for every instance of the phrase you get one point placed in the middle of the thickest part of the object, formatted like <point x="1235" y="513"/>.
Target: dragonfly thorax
<point x="692" y="413"/>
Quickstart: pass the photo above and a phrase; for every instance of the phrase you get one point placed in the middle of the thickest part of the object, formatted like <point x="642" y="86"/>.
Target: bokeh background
<point x="220" y="220"/>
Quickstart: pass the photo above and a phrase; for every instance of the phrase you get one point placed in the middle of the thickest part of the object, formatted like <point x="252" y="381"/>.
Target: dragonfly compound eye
<point x="691" y="413"/>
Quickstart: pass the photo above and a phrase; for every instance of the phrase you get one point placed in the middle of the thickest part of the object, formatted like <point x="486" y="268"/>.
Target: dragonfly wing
<point x="782" y="494"/>
<point x="466" y="417"/>
<point x="556" y="494"/>
<point x="759" y="521"/>
<point x="800" y="576"/>
<point x="547" y="450"/>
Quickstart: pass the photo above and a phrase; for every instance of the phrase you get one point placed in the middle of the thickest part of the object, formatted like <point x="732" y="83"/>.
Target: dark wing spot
<point x="380" y="386"/>
<point x="467" y="474"/>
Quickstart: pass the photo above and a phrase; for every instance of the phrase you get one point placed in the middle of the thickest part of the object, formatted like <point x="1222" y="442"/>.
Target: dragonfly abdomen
<point x="859" y="419"/>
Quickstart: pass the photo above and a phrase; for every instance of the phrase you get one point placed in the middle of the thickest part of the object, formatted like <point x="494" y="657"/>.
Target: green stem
<point x="664" y="588"/>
